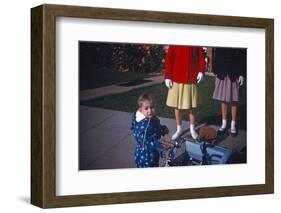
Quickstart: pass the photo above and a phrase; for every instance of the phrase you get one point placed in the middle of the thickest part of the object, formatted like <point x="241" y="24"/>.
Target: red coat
<point x="181" y="65"/>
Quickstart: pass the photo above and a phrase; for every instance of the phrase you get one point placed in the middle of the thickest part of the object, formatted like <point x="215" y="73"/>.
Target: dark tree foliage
<point x="138" y="57"/>
<point x="143" y="58"/>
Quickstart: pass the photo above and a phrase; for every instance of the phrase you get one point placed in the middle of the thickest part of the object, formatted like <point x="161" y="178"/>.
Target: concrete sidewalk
<point x="118" y="88"/>
<point x="105" y="140"/>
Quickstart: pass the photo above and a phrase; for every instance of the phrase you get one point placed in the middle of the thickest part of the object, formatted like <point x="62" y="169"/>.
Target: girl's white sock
<point x="193" y="131"/>
<point x="191" y="127"/>
<point x="224" y="124"/>
<point x="179" y="128"/>
<point x="233" y="126"/>
<point x="177" y="133"/>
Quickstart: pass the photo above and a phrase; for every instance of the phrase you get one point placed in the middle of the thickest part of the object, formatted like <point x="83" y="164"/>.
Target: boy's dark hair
<point x="145" y="97"/>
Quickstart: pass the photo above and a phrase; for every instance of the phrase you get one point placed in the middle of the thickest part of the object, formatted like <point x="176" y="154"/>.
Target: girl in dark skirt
<point x="230" y="70"/>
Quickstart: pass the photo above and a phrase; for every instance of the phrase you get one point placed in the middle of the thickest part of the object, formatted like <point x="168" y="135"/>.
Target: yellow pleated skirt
<point x="182" y="96"/>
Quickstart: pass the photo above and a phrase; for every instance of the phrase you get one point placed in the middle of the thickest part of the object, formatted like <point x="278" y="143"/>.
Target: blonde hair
<point x="143" y="98"/>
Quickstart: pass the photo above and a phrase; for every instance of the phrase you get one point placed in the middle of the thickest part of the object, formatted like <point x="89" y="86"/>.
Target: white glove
<point x="199" y="77"/>
<point x="241" y="80"/>
<point x="168" y="83"/>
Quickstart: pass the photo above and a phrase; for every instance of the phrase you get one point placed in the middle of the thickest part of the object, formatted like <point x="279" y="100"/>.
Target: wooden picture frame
<point x="43" y="105"/>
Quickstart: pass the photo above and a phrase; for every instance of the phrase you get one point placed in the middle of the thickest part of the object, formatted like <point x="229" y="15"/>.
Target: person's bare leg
<point x="234" y="111"/>
<point x="224" y="110"/>
<point x="224" y="116"/>
<point x="192" y="119"/>
<point x="192" y="115"/>
<point x="178" y="115"/>
<point x="233" y="117"/>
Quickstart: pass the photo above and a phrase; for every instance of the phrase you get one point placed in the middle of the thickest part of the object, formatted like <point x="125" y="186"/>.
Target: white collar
<point x="139" y="116"/>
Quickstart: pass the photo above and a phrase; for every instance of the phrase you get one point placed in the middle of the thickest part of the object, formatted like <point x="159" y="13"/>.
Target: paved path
<point x="115" y="89"/>
<point x="106" y="141"/>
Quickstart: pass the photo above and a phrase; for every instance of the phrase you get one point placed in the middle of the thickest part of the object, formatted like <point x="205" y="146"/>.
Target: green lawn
<point x="208" y="110"/>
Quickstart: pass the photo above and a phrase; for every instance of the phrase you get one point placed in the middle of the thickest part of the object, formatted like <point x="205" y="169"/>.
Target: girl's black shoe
<point x="233" y="132"/>
<point x="221" y="131"/>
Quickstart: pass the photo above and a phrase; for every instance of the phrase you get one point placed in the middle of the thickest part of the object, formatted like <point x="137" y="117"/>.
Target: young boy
<point x="147" y="131"/>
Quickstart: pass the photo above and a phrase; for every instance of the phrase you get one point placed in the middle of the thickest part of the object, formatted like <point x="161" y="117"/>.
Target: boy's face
<point x="147" y="109"/>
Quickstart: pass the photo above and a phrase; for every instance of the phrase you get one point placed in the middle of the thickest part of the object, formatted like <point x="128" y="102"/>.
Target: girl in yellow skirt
<point x="184" y="68"/>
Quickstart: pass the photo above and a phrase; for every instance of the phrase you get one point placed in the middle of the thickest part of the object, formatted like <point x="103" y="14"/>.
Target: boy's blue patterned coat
<point x="147" y="133"/>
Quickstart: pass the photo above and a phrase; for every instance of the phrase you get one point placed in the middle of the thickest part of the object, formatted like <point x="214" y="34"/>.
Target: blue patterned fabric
<point x="147" y="133"/>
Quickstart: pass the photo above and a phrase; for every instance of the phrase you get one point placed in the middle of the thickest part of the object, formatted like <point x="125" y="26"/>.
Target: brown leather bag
<point x="208" y="134"/>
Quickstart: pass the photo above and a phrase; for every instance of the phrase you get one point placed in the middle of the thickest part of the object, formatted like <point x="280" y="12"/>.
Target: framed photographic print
<point x="116" y="90"/>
